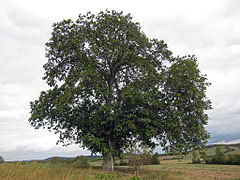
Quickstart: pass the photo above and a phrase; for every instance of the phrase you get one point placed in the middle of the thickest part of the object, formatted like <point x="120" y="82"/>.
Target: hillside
<point x="228" y="149"/>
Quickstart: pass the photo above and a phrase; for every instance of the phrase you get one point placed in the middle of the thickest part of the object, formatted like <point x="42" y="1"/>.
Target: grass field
<point x="168" y="170"/>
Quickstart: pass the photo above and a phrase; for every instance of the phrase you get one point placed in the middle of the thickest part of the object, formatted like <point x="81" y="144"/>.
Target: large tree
<point x="111" y="85"/>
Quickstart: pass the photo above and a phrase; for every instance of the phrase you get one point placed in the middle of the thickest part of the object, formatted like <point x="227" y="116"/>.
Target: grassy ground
<point x="168" y="169"/>
<point x="185" y="170"/>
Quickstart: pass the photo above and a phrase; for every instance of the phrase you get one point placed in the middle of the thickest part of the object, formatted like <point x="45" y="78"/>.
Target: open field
<point x="168" y="170"/>
<point x="185" y="170"/>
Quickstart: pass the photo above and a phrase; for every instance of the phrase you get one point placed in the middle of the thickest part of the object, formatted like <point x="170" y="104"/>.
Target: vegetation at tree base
<point x="195" y="158"/>
<point x="168" y="170"/>
<point x="146" y="159"/>
<point x="111" y="85"/>
<point x="61" y="168"/>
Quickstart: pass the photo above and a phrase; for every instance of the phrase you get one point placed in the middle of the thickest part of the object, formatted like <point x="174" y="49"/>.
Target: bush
<point x="1" y="159"/>
<point x="123" y="163"/>
<point x="229" y="159"/>
<point x="81" y="162"/>
<point x="134" y="177"/>
<point x="69" y="160"/>
<point x="155" y="159"/>
<point x="203" y="155"/>
<point x="195" y="157"/>
<point x="233" y="159"/>
<point x="208" y="161"/>
<point x="55" y="160"/>
<point x="219" y="151"/>
<point x="105" y="176"/>
<point x="146" y="158"/>
<point x="116" y="164"/>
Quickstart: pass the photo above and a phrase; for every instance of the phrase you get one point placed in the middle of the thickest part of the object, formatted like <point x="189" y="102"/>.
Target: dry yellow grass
<point x="167" y="170"/>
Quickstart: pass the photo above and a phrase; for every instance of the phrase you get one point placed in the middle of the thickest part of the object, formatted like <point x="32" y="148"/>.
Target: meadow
<point x="168" y="170"/>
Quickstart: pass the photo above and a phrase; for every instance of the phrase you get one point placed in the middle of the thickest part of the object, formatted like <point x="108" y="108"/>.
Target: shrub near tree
<point x="81" y="162"/>
<point x="220" y="158"/>
<point x="219" y="151"/>
<point x="55" y="160"/>
<point x="110" y="84"/>
<point x="155" y="158"/>
<point x="138" y="155"/>
<point x="195" y="158"/>
<point x="1" y="159"/>
<point x="123" y="162"/>
<point x="203" y="155"/>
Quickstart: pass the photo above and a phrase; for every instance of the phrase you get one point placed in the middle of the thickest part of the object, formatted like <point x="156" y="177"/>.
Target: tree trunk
<point x="108" y="165"/>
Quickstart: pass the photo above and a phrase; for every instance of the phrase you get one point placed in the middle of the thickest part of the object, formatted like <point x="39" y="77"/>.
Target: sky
<point x="208" y="29"/>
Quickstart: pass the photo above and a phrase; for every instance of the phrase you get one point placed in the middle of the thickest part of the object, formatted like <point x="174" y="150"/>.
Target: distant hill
<point x="64" y="158"/>
<point x="224" y="145"/>
<point x="227" y="148"/>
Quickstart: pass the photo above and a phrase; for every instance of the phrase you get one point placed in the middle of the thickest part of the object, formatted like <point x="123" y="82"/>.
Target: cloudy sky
<point x="208" y="29"/>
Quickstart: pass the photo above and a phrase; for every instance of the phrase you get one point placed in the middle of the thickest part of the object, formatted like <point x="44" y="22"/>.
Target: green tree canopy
<point x="110" y="85"/>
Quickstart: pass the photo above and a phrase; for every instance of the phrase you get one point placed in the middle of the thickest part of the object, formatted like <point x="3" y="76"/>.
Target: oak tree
<point x="111" y="85"/>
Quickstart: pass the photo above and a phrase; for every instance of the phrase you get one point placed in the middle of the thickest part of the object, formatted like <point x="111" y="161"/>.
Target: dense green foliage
<point x="110" y="85"/>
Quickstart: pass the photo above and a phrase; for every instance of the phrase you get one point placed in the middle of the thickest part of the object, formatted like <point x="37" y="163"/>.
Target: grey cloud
<point x="22" y="46"/>
<point x="232" y="8"/>
<point x="216" y="137"/>
<point x="233" y="41"/>
<point x="23" y="19"/>
<point x="177" y="29"/>
<point x="225" y="116"/>
<point x="3" y="105"/>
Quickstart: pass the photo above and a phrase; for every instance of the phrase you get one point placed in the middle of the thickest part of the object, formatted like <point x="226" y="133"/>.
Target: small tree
<point x="220" y="158"/>
<point x="81" y="162"/>
<point x="155" y="159"/>
<point x="194" y="157"/>
<point x="1" y="159"/>
<point x="219" y="151"/>
<point x="203" y="155"/>
<point x="138" y="155"/>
